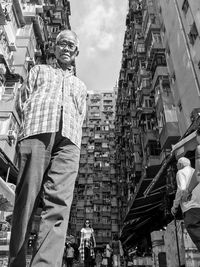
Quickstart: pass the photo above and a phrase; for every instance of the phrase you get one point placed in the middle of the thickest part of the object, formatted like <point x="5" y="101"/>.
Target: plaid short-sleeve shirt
<point x="46" y="91"/>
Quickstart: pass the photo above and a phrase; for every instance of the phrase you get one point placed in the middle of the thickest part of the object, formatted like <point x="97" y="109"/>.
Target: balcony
<point x="29" y="11"/>
<point x="81" y="181"/>
<point x="160" y="71"/>
<point x="112" y="171"/>
<point x="66" y="4"/>
<point x="102" y="239"/>
<point x="97" y="179"/>
<point x="98" y="201"/>
<point x="153" y="161"/>
<point x="83" y="170"/>
<point x="56" y="20"/>
<point x="149" y="136"/>
<point x="169" y="135"/>
<point x="83" y="160"/>
<point x="106" y="189"/>
<point x="90" y="160"/>
<point x="6" y="58"/>
<point x="101" y="226"/>
<point x="83" y="151"/>
<point x="155" y="48"/>
<point x="138" y="166"/>
<point x="38" y="25"/>
<point x="152" y="25"/>
<point x="105" y="178"/>
<point x="106" y="213"/>
<point x="80" y="214"/>
<point x="143" y="111"/>
<point x="88" y="203"/>
<point x="137" y="147"/>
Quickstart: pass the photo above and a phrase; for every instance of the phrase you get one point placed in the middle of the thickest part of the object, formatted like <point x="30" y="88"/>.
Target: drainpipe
<point x="7" y="175"/>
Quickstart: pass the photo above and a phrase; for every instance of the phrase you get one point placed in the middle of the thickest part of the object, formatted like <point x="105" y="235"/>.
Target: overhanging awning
<point x="7" y="196"/>
<point x="188" y="143"/>
<point x="143" y="206"/>
<point x="146" y="210"/>
<point x="141" y="215"/>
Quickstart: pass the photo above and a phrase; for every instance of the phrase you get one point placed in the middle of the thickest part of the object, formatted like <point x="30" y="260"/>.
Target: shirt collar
<point x="56" y="65"/>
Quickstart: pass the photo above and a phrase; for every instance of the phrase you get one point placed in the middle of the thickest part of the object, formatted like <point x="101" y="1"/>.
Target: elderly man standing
<point x="51" y="104"/>
<point x="190" y="207"/>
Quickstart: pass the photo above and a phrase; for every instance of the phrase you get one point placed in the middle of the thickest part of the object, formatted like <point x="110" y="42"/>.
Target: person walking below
<point x="69" y="255"/>
<point x="104" y="262"/>
<point x="109" y="254"/>
<point x="98" y="259"/>
<point x="190" y="207"/>
<point x="87" y="245"/>
<point x="117" y="251"/>
<point x="51" y="104"/>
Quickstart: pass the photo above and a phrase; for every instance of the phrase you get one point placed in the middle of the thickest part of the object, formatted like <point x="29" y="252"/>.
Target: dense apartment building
<point x="27" y="33"/>
<point x="157" y="112"/>
<point x="95" y="195"/>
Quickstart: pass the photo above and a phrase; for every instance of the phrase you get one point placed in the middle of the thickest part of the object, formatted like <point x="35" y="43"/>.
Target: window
<point x="154" y="148"/>
<point x="57" y="15"/>
<point x="185" y="6"/>
<point x="193" y="34"/>
<point x="156" y="37"/>
<point x="180" y="106"/>
<point x="9" y="88"/>
<point x="147" y="103"/>
<point x="55" y="29"/>
<point x="140" y="48"/>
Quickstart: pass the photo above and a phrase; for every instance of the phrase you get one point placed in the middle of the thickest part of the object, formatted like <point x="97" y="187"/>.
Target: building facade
<point x="95" y="196"/>
<point x="156" y="112"/>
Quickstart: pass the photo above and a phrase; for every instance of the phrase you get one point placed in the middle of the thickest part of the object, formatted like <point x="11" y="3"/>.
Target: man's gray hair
<point x="64" y="32"/>
<point x="184" y="162"/>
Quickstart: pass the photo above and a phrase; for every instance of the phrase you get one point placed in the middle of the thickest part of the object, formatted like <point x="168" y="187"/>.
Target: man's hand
<point x="186" y="196"/>
<point x="173" y="211"/>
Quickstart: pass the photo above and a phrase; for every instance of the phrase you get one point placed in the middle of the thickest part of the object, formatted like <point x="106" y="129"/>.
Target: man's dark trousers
<point x="48" y="169"/>
<point x="192" y="225"/>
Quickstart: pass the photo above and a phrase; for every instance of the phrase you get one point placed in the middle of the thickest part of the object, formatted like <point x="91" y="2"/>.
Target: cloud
<point x="98" y="26"/>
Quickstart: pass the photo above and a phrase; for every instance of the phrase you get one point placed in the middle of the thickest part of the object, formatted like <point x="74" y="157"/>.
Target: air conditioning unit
<point x="12" y="135"/>
<point x="12" y="46"/>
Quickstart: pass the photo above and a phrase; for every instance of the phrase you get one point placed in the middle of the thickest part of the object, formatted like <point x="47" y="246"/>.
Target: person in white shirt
<point x="190" y="208"/>
<point x="87" y="244"/>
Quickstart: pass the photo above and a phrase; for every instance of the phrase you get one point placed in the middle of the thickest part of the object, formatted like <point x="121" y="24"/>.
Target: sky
<point x="100" y="26"/>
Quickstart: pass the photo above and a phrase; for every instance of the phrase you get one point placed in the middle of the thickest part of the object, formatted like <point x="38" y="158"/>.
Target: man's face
<point x="66" y="49"/>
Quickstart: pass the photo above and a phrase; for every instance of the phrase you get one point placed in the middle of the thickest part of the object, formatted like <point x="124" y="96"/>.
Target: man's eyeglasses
<point x="71" y="46"/>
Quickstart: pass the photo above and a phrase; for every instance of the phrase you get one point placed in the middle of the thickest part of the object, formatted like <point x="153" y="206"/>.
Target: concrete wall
<point x="185" y="87"/>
